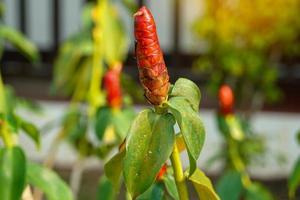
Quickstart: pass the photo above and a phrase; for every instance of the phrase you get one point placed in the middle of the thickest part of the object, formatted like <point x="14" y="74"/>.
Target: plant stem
<point x="178" y="174"/>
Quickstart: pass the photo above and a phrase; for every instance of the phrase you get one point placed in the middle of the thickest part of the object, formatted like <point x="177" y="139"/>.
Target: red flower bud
<point x="161" y="172"/>
<point x="113" y="87"/>
<point x="152" y="69"/>
<point x="226" y="99"/>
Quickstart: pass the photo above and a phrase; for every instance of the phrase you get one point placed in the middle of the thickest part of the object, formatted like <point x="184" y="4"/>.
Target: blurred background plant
<point x="87" y="60"/>
<point x="16" y="172"/>
<point x="246" y="42"/>
<point x="242" y="147"/>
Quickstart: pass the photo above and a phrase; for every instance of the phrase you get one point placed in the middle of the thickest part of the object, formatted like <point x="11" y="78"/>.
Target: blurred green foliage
<point x="241" y="149"/>
<point x="245" y="43"/>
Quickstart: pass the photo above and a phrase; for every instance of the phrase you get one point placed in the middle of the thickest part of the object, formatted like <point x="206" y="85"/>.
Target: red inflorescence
<point x="152" y="69"/>
<point x="226" y="99"/>
<point x="113" y="87"/>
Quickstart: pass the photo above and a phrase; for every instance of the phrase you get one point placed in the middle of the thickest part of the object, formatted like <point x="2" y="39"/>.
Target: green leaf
<point x="149" y="144"/>
<point x="189" y="90"/>
<point x="170" y="185"/>
<point x="230" y="186"/>
<point x="155" y="192"/>
<point x="105" y="190"/>
<point x="122" y="121"/>
<point x="257" y="192"/>
<point x="103" y="120"/>
<point x="48" y="182"/>
<point x="32" y="131"/>
<point x="12" y="173"/>
<point x="294" y="180"/>
<point x="191" y="128"/>
<point x="20" y="42"/>
<point x="114" y="167"/>
<point x="203" y="185"/>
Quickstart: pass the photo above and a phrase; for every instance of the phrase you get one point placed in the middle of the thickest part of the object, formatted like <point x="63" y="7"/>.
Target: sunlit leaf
<point x="48" y="182"/>
<point x="12" y="173"/>
<point x="149" y="144"/>
<point x="191" y="127"/>
<point x="189" y="90"/>
<point x="203" y="185"/>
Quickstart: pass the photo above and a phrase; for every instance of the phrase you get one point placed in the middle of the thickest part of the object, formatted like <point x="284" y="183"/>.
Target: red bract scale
<point x="113" y="87"/>
<point x="161" y="172"/>
<point x="152" y="69"/>
<point x="226" y="99"/>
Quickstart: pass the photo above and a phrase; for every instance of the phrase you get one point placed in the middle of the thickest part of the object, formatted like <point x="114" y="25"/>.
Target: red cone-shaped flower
<point x="226" y="99"/>
<point x="152" y="69"/>
<point x="113" y="87"/>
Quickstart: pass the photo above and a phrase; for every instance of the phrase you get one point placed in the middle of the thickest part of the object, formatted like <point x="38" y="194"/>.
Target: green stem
<point x="178" y="174"/>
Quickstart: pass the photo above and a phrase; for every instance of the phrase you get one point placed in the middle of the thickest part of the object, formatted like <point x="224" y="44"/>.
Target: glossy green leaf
<point x="12" y="173"/>
<point x="20" y="42"/>
<point x="48" y="182"/>
<point x="230" y="186"/>
<point x="122" y="121"/>
<point x="149" y="144"/>
<point x="294" y="180"/>
<point x="114" y="167"/>
<point x="257" y="192"/>
<point x="155" y="192"/>
<point x="189" y="90"/>
<point x="203" y="185"/>
<point x="103" y="120"/>
<point x="191" y="127"/>
<point x="105" y="190"/>
<point x="32" y="131"/>
<point x="170" y="185"/>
